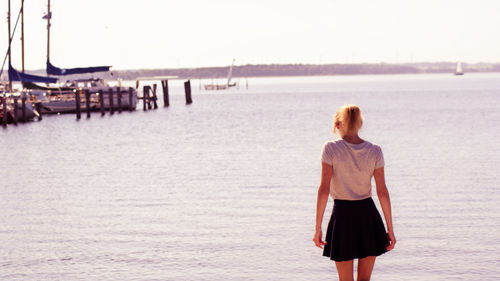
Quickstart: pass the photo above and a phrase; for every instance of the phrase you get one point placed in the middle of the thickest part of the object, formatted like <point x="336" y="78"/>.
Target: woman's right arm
<point x="323" y="193"/>
<point x="385" y="203"/>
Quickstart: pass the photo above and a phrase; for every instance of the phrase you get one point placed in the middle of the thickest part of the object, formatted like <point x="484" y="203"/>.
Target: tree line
<point x="266" y="70"/>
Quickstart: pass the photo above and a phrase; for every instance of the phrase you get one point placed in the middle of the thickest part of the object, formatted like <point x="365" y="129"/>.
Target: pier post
<point x="111" y="106"/>
<point x="101" y="102"/>
<point x="187" y="90"/>
<point x="77" y="103"/>
<point x="155" y="97"/>
<point x="87" y="102"/>
<point x="130" y="98"/>
<point x="38" y="108"/>
<point x="23" y="106"/>
<point x="164" y="85"/>
<point x="145" y="93"/>
<point x="4" y="108"/>
<point x="149" y="98"/>
<point x="16" y="107"/>
<point x="119" y="97"/>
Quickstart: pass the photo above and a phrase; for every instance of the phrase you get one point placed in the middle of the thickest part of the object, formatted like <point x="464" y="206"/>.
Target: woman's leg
<point x="344" y="268"/>
<point x="365" y="267"/>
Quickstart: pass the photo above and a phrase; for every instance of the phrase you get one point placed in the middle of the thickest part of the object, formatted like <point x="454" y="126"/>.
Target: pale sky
<point x="194" y="33"/>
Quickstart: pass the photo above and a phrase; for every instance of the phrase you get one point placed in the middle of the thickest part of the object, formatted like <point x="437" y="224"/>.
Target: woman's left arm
<point x="323" y="193"/>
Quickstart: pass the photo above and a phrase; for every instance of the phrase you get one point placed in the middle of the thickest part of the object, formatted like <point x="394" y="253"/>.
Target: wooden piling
<point x="23" y="106"/>
<point x="187" y="90"/>
<point x="4" y="108"/>
<point x="149" y="98"/>
<point x="164" y="85"/>
<point x="119" y="98"/>
<point x="145" y="94"/>
<point x="130" y="98"/>
<point x="101" y="102"/>
<point x="16" y="107"/>
<point x="111" y="106"/>
<point x="87" y="102"/>
<point x="38" y="108"/>
<point x="77" y="103"/>
<point x="155" y="97"/>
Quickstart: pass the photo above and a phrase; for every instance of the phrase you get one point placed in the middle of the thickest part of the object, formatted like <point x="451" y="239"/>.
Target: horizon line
<point x="298" y="64"/>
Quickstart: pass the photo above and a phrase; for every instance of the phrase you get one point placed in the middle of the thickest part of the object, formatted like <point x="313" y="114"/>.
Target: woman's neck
<point x="354" y="139"/>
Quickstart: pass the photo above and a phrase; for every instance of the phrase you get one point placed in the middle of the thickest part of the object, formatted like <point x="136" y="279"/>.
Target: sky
<point x="197" y="33"/>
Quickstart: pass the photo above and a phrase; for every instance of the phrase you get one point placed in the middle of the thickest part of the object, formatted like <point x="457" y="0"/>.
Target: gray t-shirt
<point x="353" y="166"/>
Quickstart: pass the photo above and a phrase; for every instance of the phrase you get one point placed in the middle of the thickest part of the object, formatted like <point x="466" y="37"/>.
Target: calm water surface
<point x="225" y="189"/>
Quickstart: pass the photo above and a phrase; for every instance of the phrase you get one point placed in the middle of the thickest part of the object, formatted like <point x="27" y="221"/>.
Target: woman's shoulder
<point x="333" y="143"/>
<point x="372" y="146"/>
<point x="332" y="147"/>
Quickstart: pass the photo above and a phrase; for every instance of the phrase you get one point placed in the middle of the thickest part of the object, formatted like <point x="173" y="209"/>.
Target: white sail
<point x="459" y="68"/>
<point x="230" y="74"/>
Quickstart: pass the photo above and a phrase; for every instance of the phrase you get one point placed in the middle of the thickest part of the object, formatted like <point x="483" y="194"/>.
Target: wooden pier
<point x="24" y="107"/>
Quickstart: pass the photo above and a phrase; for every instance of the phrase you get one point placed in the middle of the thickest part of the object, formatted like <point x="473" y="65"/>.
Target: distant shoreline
<point x="290" y="70"/>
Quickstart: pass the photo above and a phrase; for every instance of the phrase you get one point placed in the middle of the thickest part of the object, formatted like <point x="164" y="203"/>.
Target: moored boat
<point x="16" y="107"/>
<point x="62" y="99"/>
<point x="225" y="86"/>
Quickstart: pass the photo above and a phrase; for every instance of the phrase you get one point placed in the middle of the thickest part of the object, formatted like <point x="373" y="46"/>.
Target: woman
<point x="355" y="230"/>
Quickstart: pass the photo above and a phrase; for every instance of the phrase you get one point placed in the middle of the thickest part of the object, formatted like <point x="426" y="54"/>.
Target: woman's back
<point x="353" y="166"/>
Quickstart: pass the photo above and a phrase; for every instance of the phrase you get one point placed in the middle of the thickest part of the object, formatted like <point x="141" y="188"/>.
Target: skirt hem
<point x="356" y="257"/>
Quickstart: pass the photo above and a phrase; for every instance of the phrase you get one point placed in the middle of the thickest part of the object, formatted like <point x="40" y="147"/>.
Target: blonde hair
<point x="349" y="116"/>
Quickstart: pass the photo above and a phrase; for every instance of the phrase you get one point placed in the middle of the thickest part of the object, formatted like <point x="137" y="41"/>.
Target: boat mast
<point x="10" y="62"/>
<point x="22" y="31"/>
<point x="48" y="31"/>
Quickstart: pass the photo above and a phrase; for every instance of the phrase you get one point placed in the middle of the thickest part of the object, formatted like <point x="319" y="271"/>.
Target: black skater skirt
<point x="355" y="231"/>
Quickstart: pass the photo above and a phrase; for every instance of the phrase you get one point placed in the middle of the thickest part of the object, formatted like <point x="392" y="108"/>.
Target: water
<point x="225" y="188"/>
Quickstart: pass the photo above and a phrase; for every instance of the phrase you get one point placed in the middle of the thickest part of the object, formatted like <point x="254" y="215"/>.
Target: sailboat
<point x="228" y="84"/>
<point x="458" y="70"/>
<point x="60" y="99"/>
<point x="10" y="96"/>
<point x="53" y="70"/>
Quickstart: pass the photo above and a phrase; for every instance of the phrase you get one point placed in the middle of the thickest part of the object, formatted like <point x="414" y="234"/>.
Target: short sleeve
<point x="379" y="160"/>
<point x="327" y="154"/>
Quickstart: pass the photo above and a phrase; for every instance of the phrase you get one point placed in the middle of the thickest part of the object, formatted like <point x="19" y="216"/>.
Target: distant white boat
<point x="458" y="70"/>
<point x="223" y="86"/>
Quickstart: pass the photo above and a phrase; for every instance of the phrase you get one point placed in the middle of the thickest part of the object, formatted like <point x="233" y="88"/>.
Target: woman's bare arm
<point x="323" y="193"/>
<point x="385" y="203"/>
